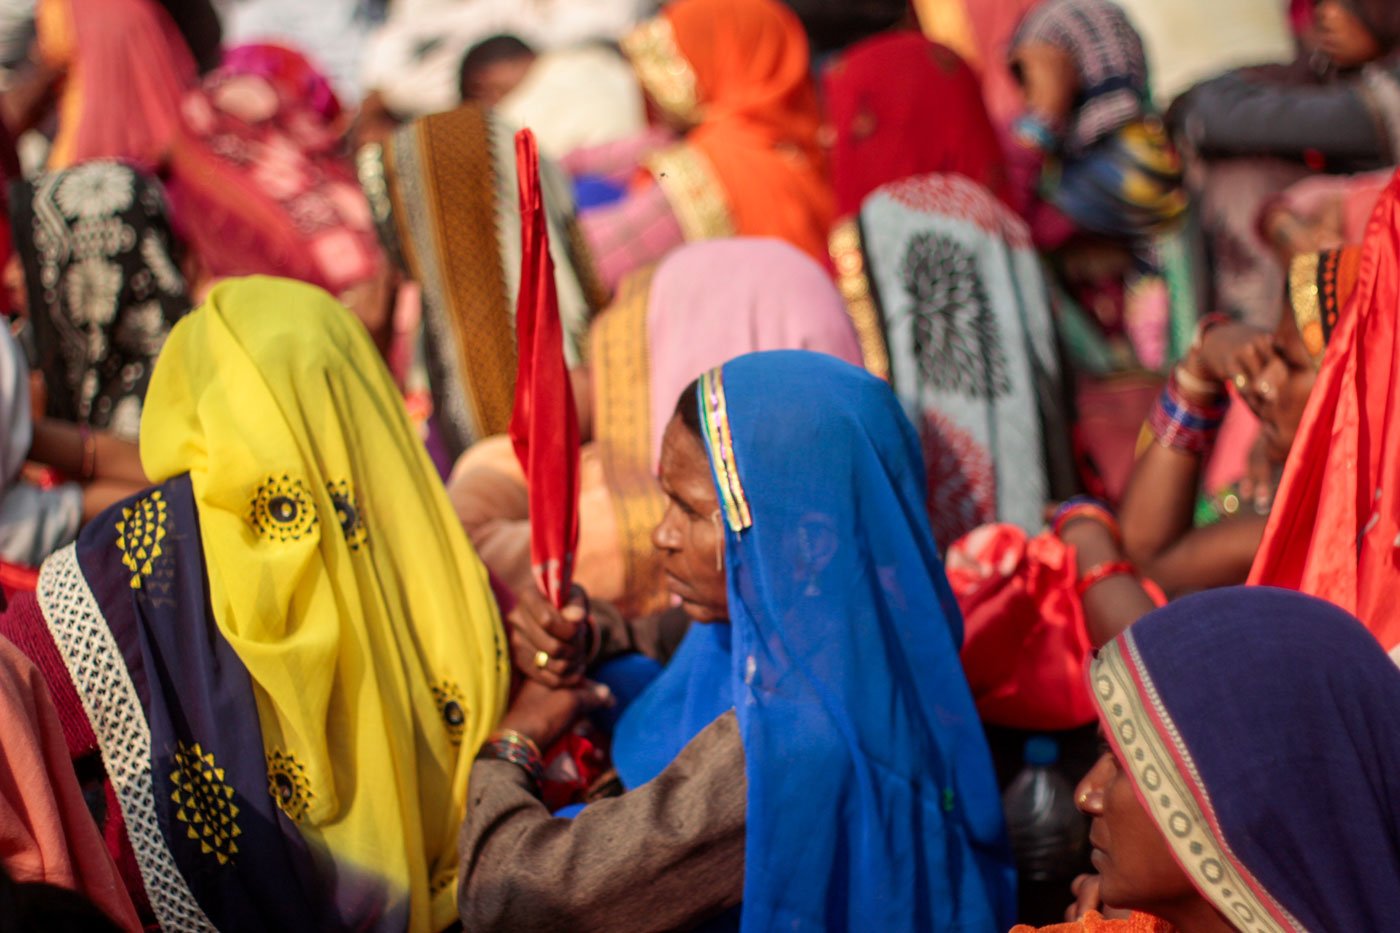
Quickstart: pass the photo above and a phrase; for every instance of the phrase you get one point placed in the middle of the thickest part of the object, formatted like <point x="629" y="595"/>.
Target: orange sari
<point x="1334" y="531"/>
<point x="1094" y="922"/>
<point x="737" y="72"/>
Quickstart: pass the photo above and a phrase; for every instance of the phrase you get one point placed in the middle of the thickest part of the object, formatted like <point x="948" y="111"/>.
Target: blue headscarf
<point x="1261" y="729"/>
<point x="871" y="798"/>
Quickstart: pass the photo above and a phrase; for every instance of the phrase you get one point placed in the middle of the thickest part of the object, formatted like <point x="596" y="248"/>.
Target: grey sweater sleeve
<point x="1237" y="115"/>
<point x="656" y="636"/>
<point x="665" y="856"/>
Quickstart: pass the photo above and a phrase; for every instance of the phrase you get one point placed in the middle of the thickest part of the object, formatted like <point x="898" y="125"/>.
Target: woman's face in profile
<point x="1342" y="37"/>
<point x="1136" y="869"/>
<point x="690" y="537"/>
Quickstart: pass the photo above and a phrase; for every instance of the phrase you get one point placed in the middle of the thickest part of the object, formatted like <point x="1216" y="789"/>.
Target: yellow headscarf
<point x="339" y="574"/>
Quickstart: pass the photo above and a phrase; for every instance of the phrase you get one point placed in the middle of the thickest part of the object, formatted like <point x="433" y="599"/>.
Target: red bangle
<point x="1101" y="572"/>
<point x="1087" y="512"/>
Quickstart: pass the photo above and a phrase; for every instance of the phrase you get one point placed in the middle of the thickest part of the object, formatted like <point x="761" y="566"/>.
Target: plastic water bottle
<point x="1048" y="833"/>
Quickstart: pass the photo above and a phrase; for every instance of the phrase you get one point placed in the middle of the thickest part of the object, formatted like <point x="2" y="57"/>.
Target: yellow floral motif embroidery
<point x="283" y="509"/>
<point x="448" y="697"/>
<point x="288" y="784"/>
<point x="205" y="802"/>
<point x="347" y="513"/>
<point x="140" y="533"/>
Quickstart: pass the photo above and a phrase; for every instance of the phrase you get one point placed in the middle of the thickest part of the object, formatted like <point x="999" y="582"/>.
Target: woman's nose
<point x="1088" y="796"/>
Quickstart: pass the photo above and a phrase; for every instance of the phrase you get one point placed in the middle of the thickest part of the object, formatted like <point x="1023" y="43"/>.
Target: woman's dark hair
<point x="486" y="53"/>
<point x="688" y="408"/>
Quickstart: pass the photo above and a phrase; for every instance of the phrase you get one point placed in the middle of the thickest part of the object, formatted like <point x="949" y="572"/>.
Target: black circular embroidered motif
<point x="282" y="509"/>
<point x="285" y="789"/>
<point x="954" y="329"/>
<point x="452" y="714"/>
<point x="347" y="513"/>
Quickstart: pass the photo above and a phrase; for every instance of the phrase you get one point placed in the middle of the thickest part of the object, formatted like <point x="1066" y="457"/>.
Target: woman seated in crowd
<point x="443" y="192"/>
<point x="897" y="105"/>
<point x="949" y="298"/>
<point x="732" y="79"/>
<point x="810" y="756"/>
<point x="98" y="271"/>
<point x="273" y="667"/>
<point x="1100" y="184"/>
<point x="1256" y="131"/>
<point x="1321" y="384"/>
<point x="705" y="304"/>
<point x="1229" y="717"/>
<point x="259" y="180"/>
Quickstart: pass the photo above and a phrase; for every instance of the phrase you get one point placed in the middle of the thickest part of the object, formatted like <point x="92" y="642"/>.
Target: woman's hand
<point x="1260" y="481"/>
<point x="544" y="714"/>
<point x="1087" y="891"/>
<point x="539" y="632"/>
<point x="1234" y="354"/>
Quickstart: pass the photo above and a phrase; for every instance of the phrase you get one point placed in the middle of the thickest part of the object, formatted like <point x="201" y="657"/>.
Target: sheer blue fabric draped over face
<point x="871" y="798"/>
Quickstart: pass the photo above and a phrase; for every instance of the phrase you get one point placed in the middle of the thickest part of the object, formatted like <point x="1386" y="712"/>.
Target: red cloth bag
<point x="1025" y="645"/>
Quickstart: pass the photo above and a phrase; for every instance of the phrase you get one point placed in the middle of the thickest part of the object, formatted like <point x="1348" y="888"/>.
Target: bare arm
<point x="1158" y="506"/>
<point x="110" y="472"/>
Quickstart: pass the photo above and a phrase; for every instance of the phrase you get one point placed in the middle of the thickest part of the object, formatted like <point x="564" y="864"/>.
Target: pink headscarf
<point x="772" y="296"/>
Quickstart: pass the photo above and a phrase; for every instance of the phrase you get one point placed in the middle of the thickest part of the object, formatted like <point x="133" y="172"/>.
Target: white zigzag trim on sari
<point x="109" y="698"/>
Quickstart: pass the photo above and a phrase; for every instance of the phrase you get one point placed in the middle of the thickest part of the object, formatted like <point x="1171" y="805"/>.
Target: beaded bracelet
<point x="1088" y="509"/>
<point x="1183" y="425"/>
<point x="1101" y="572"/>
<point x="509" y="745"/>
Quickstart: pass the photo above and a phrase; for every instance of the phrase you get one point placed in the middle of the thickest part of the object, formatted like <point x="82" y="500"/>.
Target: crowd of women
<point x="947" y="373"/>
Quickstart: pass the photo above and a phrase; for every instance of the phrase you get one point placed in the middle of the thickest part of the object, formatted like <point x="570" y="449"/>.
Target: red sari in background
<point x="252" y="158"/>
<point x="126" y="68"/>
<point x="899" y="105"/>
<point x="1334" y="531"/>
<point x="259" y="183"/>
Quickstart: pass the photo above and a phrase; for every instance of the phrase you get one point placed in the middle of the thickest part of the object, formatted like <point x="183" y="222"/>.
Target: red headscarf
<point x="127" y="67"/>
<point x="901" y="106"/>
<point x="259" y="184"/>
<point x="1335" y="527"/>
<point x="754" y="110"/>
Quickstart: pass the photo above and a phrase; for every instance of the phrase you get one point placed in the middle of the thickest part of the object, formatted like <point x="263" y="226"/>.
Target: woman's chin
<point x="701" y="613"/>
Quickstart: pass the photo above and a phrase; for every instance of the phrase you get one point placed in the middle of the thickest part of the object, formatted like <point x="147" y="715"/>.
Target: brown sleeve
<point x="656" y="636"/>
<point x="665" y="856"/>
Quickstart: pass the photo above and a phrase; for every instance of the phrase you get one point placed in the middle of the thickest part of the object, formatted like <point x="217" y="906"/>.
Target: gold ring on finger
<point x="541" y="659"/>
<point x="1241" y="381"/>
<point x="1265" y="389"/>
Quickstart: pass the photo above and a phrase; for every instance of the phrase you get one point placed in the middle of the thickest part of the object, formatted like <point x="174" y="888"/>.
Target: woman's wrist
<point x="1081" y="511"/>
<point x="517" y="748"/>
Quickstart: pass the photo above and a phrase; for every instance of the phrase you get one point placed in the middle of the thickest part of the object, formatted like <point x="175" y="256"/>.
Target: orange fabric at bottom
<point x="1094" y="922"/>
